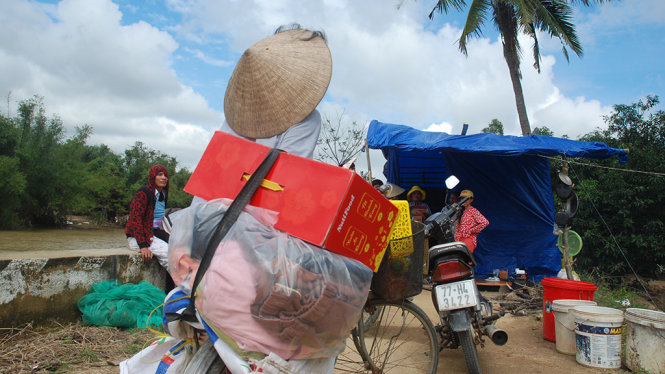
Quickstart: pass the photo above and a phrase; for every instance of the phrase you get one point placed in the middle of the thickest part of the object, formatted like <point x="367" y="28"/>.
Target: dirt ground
<point x="74" y="348"/>
<point x="525" y="353"/>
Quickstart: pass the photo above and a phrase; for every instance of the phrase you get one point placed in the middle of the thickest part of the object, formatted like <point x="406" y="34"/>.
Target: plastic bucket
<point x="645" y="340"/>
<point x="557" y="288"/>
<point x="564" y="323"/>
<point x="598" y="336"/>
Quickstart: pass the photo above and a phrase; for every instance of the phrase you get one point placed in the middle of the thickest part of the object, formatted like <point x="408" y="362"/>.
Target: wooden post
<point x="369" y="166"/>
<point x="564" y="238"/>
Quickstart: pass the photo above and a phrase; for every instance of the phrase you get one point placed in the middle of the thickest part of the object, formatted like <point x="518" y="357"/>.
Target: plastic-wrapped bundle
<point x="122" y="305"/>
<point x="266" y="291"/>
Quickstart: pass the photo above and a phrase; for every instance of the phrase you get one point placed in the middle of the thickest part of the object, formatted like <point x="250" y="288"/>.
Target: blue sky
<point x="156" y="71"/>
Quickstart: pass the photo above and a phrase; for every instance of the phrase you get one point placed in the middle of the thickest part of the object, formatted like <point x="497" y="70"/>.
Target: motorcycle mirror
<point x="451" y="182"/>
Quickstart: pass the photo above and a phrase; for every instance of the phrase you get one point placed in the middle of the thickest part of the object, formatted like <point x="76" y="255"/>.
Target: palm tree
<point x="512" y="17"/>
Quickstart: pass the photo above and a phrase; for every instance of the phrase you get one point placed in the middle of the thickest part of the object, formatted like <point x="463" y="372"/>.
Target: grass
<point x="613" y="292"/>
<point x="88" y="355"/>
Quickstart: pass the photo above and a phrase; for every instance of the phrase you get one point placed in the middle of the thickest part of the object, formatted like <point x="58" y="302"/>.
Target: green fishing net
<point x="109" y="303"/>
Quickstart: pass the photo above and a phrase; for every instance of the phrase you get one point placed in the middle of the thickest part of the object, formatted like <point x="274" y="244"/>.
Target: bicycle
<point x="393" y="334"/>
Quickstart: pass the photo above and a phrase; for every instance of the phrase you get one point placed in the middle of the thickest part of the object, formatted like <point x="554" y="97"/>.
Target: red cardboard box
<point x="325" y="205"/>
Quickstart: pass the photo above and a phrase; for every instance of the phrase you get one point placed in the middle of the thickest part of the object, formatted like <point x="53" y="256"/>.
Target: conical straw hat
<point x="277" y="83"/>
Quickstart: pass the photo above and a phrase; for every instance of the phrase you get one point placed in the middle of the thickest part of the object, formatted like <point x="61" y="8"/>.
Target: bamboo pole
<point x="369" y="166"/>
<point x="564" y="238"/>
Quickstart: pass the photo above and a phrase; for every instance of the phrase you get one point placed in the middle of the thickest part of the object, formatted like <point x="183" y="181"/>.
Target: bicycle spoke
<point x="400" y="339"/>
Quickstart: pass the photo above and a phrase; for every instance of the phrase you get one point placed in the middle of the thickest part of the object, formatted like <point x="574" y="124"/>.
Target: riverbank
<point x="38" y="288"/>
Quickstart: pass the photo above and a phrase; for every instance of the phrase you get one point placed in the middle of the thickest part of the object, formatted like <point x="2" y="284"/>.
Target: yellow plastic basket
<point x="401" y="230"/>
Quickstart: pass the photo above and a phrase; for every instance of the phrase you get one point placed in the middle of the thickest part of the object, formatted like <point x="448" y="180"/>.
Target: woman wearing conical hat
<point x="272" y="95"/>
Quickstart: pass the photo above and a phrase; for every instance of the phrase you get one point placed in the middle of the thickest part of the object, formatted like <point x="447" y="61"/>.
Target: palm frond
<point x="478" y="14"/>
<point x="531" y="31"/>
<point x="443" y="6"/>
<point x="555" y="18"/>
<point x="588" y="2"/>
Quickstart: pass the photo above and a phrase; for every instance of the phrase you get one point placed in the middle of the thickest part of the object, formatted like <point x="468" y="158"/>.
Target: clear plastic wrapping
<point x="266" y="291"/>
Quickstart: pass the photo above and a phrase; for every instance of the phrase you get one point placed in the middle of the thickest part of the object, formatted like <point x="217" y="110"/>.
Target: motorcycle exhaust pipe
<point x="498" y="336"/>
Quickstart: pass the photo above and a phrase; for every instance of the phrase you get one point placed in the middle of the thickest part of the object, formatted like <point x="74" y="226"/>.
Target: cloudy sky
<point x="156" y="70"/>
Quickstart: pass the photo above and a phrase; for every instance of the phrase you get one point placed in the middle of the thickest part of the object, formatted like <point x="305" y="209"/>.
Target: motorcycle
<point x="465" y="315"/>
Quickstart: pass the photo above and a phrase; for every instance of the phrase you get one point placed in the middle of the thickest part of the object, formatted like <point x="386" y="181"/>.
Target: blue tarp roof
<point x="510" y="180"/>
<point x="404" y="138"/>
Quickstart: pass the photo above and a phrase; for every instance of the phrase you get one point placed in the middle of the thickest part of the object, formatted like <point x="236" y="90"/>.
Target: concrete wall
<point x="38" y="289"/>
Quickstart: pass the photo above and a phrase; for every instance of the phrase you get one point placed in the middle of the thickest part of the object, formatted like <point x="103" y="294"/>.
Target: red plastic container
<point x="556" y="289"/>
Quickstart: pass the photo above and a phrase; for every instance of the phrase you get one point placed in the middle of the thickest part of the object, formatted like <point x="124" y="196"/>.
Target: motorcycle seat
<point x="453" y="248"/>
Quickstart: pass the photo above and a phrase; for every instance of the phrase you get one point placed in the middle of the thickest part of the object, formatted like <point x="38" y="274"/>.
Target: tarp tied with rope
<point x="510" y="180"/>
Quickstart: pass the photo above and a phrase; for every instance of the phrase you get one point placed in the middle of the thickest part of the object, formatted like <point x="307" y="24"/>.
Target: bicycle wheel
<point x="401" y="339"/>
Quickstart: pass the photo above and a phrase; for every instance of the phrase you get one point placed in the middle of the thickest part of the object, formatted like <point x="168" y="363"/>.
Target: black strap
<point x="229" y="218"/>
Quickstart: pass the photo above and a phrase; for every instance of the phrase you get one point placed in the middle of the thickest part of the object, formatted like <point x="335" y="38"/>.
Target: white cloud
<point x="389" y="64"/>
<point x="440" y="127"/>
<point x="92" y="70"/>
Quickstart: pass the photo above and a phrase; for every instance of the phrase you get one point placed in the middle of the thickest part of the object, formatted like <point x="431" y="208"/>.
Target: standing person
<point x="470" y="223"/>
<point x="418" y="207"/>
<point x="143" y="229"/>
<point x="276" y="85"/>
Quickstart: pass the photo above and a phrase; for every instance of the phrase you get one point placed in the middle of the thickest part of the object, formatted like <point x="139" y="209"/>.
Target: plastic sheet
<point x="165" y="356"/>
<point x="267" y="291"/>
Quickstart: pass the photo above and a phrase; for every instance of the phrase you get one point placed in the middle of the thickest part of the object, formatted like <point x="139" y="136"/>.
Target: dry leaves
<point x="63" y="348"/>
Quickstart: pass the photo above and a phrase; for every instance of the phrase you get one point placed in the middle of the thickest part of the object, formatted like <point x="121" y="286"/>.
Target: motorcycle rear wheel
<point x="470" y="351"/>
<point x="400" y="338"/>
<point x="206" y="361"/>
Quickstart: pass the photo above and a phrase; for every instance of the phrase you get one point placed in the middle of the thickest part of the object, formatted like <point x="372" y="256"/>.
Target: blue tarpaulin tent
<point x="510" y="180"/>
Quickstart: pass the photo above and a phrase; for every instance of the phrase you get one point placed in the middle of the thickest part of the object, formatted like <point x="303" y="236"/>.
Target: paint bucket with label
<point x="598" y="336"/>
<point x="564" y="323"/>
<point x="645" y="340"/>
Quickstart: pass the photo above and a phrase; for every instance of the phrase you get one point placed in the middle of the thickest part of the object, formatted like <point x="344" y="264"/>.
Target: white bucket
<point x="598" y="336"/>
<point x="564" y="323"/>
<point x="645" y="340"/>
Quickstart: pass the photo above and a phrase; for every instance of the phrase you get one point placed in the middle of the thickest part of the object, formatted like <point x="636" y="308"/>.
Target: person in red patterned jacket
<point x="470" y="223"/>
<point x="146" y="211"/>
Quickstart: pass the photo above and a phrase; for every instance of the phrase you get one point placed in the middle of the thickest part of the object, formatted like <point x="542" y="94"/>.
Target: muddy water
<point x="73" y="238"/>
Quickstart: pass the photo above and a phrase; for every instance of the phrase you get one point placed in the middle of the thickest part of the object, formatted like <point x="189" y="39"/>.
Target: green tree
<point x="553" y="17"/>
<point x="543" y="130"/>
<point x="178" y="198"/>
<point x="46" y="177"/>
<point x="495" y="127"/>
<point x="621" y="211"/>
<point x="104" y="184"/>
<point x="37" y="151"/>
<point x="12" y="190"/>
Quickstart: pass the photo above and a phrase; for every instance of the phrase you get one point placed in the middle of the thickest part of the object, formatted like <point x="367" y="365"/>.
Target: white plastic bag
<point x="167" y="355"/>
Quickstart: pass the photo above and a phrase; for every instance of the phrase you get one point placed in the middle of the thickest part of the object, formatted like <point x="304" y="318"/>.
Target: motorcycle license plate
<point x="456" y="295"/>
